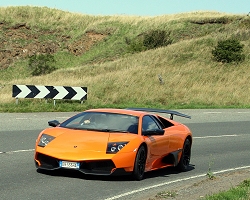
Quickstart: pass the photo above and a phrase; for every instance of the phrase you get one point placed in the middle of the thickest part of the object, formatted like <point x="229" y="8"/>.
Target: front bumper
<point x="95" y="167"/>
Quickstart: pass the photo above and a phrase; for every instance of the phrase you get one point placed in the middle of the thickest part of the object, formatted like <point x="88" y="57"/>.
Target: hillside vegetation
<point x="93" y="51"/>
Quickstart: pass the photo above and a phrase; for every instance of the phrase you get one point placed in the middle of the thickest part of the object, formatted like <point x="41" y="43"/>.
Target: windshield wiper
<point x="112" y="130"/>
<point x="101" y="130"/>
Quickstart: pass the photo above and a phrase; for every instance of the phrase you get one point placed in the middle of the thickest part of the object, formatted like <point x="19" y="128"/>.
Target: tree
<point x="229" y="50"/>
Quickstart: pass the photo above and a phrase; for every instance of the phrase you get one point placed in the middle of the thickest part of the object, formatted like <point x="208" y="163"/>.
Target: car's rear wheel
<point x="140" y="161"/>
<point x="185" y="157"/>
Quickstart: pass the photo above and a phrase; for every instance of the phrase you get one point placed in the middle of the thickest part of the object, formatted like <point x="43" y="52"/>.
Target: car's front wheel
<point x="140" y="161"/>
<point x="185" y="157"/>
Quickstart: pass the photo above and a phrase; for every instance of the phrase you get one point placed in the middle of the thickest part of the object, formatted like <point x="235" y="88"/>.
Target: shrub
<point x="136" y="45"/>
<point x="41" y="64"/>
<point x="156" y="38"/>
<point x="229" y="50"/>
<point x="149" y="40"/>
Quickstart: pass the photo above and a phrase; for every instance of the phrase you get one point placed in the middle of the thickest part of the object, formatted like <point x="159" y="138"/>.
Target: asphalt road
<point x="221" y="142"/>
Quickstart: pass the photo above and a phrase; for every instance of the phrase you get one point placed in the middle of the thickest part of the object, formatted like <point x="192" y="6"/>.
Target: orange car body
<point x="89" y="147"/>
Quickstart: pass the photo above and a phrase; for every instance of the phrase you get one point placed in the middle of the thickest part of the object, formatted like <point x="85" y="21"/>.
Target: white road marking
<point x="17" y="151"/>
<point x="212" y="112"/>
<point x="243" y="112"/>
<point x="175" y="181"/>
<point x="24" y="118"/>
<point x="215" y="136"/>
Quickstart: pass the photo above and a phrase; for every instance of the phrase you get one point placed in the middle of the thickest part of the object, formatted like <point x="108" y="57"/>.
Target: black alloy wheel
<point x="185" y="157"/>
<point x="140" y="162"/>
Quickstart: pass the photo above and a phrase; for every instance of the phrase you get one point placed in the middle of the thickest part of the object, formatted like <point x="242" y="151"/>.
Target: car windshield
<point x="102" y="121"/>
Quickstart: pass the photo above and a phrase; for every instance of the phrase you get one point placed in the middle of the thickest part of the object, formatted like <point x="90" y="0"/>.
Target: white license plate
<point x="71" y="165"/>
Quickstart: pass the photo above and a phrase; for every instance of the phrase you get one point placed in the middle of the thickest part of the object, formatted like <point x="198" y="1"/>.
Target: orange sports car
<point x="115" y="142"/>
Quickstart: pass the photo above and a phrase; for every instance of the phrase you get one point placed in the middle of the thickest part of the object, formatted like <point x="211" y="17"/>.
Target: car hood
<point x="72" y="144"/>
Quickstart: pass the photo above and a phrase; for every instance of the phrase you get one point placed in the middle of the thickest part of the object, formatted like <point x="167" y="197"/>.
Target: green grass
<point x="117" y="77"/>
<point x="241" y="192"/>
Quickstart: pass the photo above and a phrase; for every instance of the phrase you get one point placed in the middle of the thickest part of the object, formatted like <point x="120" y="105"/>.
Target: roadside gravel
<point x="197" y="189"/>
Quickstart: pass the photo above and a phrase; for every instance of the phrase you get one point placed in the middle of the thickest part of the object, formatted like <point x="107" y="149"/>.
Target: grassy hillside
<point x="93" y="51"/>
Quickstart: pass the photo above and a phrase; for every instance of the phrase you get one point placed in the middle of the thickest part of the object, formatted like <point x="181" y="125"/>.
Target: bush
<point x="136" y="46"/>
<point x="41" y="64"/>
<point x="228" y="51"/>
<point x="156" y="38"/>
<point x="150" y="40"/>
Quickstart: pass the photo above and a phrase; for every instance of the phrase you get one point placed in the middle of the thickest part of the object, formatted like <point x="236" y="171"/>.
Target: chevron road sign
<point x="49" y="92"/>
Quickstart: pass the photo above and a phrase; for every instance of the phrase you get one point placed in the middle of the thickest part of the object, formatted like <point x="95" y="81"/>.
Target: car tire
<point x="140" y="162"/>
<point x="183" y="164"/>
<point x="42" y="171"/>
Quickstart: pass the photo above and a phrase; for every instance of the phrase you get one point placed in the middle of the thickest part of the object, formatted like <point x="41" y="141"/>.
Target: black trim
<point x="172" y="158"/>
<point x="94" y="167"/>
<point x="171" y="112"/>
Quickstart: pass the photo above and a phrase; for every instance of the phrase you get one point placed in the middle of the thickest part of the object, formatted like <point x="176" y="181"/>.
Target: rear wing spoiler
<point x="171" y="112"/>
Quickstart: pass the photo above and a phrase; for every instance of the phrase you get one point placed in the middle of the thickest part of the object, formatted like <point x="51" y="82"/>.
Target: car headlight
<point x="45" y="139"/>
<point x="114" y="147"/>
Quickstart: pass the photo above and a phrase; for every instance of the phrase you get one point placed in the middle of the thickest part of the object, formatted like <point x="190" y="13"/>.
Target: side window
<point x="148" y="123"/>
<point x="159" y="122"/>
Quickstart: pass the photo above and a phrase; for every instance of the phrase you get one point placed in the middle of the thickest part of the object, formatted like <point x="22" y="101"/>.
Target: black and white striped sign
<point x="49" y="92"/>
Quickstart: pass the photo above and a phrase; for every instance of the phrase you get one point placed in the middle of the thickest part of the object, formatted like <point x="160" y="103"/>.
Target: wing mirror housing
<point x="153" y="132"/>
<point x="53" y="123"/>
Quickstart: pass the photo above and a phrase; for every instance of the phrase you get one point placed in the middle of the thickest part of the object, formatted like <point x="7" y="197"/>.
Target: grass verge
<point x="241" y="192"/>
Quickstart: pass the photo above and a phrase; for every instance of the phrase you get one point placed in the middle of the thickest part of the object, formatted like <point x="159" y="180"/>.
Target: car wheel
<point x="185" y="157"/>
<point x="42" y="171"/>
<point x="139" y="166"/>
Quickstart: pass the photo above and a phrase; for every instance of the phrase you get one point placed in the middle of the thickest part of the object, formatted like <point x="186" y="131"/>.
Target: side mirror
<point x="53" y="123"/>
<point x="153" y="132"/>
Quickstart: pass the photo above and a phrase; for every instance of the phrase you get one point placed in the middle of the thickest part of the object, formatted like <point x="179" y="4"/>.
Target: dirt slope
<point x="20" y="41"/>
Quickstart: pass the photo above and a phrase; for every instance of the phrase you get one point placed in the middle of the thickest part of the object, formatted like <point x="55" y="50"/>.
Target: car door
<point x="158" y="143"/>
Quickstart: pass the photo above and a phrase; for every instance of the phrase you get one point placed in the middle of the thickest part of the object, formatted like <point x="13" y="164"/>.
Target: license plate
<point x="71" y="165"/>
